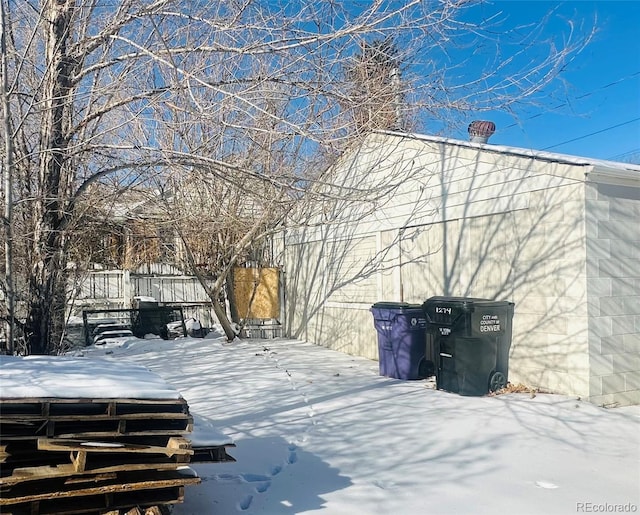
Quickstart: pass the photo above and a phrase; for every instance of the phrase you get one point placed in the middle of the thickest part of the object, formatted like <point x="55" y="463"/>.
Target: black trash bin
<point x="471" y="338"/>
<point x="401" y="329"/>
<point x="154" y="319"/>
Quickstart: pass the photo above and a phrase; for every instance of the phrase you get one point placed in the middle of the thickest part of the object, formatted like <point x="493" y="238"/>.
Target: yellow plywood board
<point x="257" y="292"/>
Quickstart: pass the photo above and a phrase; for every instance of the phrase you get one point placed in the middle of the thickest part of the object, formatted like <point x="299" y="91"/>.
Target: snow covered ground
<point x="317" y="430"/>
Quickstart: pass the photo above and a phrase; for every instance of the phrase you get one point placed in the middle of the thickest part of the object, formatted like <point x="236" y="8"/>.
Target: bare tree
<point x="221" y="224"/>
<point x="137" y="90"/>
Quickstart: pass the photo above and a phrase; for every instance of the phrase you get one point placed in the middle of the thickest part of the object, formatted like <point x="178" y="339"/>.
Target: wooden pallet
<point x="24" y="419"/>
<point x="97" y="484"/>
<point x="85" y="456"/>
<point x="80" y="450"/>
<point x="19" y="454"/>
<point x="212" y="454"/>
<point x="52" y="406"/>
<point x="101" y="504"/>
<point x="88" y="457"/>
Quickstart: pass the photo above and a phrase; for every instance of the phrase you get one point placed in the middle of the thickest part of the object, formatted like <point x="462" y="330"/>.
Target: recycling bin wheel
<point x="497" y="381"/>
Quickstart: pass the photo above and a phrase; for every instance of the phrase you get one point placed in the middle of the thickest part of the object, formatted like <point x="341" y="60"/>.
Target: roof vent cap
<point x="480" y="131"/>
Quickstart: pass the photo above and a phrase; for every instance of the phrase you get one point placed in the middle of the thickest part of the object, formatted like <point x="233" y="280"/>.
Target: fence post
<point x="126" y="288"/>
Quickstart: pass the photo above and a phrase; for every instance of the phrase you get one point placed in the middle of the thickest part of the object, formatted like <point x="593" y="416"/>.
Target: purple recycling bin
<point x="401" y="329"/>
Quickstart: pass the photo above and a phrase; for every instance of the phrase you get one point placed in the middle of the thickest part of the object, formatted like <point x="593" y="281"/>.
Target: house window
<point x="168" y="245"/>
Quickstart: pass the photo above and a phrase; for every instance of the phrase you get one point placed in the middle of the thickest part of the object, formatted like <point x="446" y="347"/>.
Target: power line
<point x="624" y="154"/>
<point x="592" y="133"/>
<point x="579" y="97"/>
<point x="622" y="79"/>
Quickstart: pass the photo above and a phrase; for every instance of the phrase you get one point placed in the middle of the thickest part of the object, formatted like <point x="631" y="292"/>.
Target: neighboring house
<point x="410" y="217"/>
<point x="140" y="227"/>
<point x="127" y="232"/>
<point x="131" y="247"/>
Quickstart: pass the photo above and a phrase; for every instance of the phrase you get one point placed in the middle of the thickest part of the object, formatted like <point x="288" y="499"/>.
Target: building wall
<point x="613" y="284"/>
<point x="450" y="220"/>
<point x="330" y="285"/>
<point x="533" y="257"/>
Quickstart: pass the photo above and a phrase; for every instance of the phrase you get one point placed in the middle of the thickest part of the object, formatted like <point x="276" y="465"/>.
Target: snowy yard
<point x="317" y="430"/>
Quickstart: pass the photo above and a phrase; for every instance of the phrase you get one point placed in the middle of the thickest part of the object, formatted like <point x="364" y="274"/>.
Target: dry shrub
<point x="516" y="388"/>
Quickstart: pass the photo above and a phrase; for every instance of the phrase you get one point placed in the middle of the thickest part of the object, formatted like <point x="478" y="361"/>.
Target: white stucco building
<point x="409" y="217"/>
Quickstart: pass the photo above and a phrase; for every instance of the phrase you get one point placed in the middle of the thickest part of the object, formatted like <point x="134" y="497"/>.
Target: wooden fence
<point x="115" y="289"/>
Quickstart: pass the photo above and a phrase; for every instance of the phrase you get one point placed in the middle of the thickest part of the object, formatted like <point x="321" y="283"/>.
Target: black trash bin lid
<point x="464" y="301"/>
<point x="456" y="300"/>
<point x="398" y="306"/>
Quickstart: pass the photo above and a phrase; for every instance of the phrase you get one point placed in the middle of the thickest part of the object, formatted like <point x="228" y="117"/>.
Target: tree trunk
<point x="213" y="293"/>
<point x="45" y="322"/>
<point x="231" y="295"/>
<point x="7" y="185"/>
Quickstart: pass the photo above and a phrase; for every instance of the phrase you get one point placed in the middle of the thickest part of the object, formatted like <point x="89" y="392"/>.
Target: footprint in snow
<point x="254" y="478"/>
<point x="262" y="487"/>
<point x="384" y="485"/>
<point x="245" y="503"/>
<point x="224" y="477"/>
<point x="545" y="484"/>
<point x="276" y="469"/>
<point x="263" y="483"/>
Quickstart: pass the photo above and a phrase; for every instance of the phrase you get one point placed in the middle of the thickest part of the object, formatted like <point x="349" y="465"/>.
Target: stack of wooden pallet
<point x="73" y="456"/>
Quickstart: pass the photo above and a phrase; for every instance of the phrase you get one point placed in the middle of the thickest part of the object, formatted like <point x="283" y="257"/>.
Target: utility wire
<point x="592" y="133"/>
<point x="624" y="154"/>
<point x="580" y="97"/>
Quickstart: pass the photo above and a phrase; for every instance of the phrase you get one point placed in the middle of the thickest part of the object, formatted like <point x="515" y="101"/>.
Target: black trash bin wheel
<point x="497" y="381"/>
<point x="426" y="368"/>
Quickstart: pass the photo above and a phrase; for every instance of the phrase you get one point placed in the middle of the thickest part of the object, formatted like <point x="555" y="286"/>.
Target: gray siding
<point x="613" y="283"/>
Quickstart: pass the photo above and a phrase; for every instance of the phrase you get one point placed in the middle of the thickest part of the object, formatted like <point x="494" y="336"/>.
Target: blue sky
<point x="601" y="108"/>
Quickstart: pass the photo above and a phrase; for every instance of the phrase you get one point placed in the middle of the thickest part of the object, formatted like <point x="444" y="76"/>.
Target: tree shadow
<point x="271" y="475"/>
<point x="442" y="219"/>
<point x="573" y="422"/>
